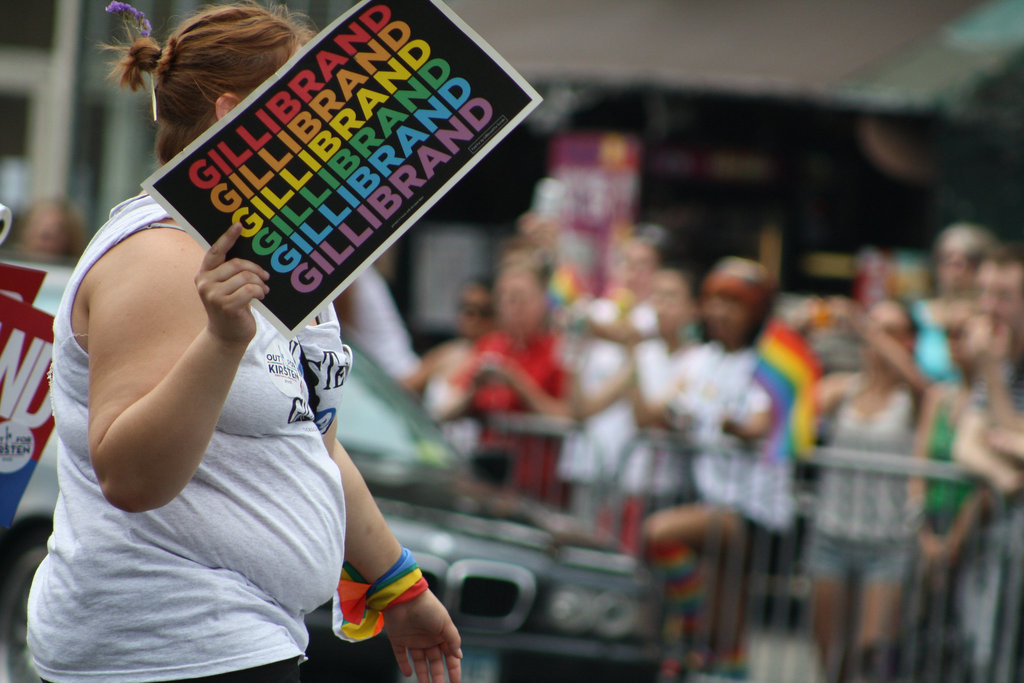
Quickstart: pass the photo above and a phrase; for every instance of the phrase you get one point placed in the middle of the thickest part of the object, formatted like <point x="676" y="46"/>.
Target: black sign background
<point x="488" y="76"/>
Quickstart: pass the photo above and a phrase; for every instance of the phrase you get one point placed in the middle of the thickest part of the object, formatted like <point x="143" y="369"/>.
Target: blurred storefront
<point x="802" y="133"/>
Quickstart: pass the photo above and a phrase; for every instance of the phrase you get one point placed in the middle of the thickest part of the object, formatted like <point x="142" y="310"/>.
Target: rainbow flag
<point x="789" y="370"/>
<point x="565" y="286"/>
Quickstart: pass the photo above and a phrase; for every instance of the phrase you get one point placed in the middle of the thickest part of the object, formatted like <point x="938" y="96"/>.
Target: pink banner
<point x="600" y="172"/>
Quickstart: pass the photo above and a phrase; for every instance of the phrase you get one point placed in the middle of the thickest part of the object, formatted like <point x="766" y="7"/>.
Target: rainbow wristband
<point x="359" y="605"/>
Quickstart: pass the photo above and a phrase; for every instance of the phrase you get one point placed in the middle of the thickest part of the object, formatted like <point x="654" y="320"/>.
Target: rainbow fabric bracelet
<point x="359" y="606"/>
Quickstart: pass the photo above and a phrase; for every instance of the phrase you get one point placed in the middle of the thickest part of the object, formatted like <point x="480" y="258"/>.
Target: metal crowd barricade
<point x="955" y="623"/>
<point x="654" y="471"/>
<point x="956" y="620"/>
<point x="529" y="454"/>
<point x="526" y="448"/>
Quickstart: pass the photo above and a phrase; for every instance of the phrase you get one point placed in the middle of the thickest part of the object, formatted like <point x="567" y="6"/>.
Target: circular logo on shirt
<point x="283" y="368"/>
<point x="16" y="446"/>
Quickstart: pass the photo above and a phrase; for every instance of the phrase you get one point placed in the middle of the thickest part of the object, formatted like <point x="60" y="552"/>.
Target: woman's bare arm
<point x="164" y="344"/>
<point x="421" y="628"/>
<point x="614" y="388"/>
<point x="916" y="486"/>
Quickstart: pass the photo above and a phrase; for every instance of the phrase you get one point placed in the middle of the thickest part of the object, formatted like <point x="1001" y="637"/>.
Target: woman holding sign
<point x="206" y="504"/>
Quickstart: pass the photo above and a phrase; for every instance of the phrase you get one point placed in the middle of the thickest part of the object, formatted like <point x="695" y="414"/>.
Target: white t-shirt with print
<point x="594" y="454"/>
<point x="220" y="578"/>
<point x="719" y="385"/>
<point x="659" y="372"/>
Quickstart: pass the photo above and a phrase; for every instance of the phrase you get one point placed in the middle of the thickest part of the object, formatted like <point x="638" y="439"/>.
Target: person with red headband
<point x="724" y="412"/>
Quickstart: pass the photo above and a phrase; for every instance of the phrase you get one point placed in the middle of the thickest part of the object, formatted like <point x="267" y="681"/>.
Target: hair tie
<point x="152" y="93"/>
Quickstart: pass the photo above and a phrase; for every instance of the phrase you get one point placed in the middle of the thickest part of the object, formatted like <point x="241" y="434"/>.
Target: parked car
<point x="535" y="598"/>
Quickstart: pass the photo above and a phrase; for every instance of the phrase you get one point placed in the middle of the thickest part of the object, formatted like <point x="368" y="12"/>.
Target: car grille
<point x="488" y="595"/>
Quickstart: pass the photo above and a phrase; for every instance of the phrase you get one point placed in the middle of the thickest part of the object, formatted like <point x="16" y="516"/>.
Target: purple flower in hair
<point x="130" y="15"/>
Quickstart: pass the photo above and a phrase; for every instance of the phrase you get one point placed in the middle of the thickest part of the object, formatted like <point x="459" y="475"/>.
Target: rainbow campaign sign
<point x="26" y="344"/>
<point x="344" y="148"/>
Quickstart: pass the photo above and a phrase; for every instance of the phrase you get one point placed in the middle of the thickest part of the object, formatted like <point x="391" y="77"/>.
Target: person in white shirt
<point x="724" y="413"/>
<point x="370" y="318"/>
<point x="605" y="390"/>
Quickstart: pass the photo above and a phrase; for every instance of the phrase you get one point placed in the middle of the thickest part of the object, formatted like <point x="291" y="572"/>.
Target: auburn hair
<point x="219" y="49"/>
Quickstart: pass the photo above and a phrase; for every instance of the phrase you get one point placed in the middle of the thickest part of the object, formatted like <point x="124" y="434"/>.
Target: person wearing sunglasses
<point x="474" y="318"/>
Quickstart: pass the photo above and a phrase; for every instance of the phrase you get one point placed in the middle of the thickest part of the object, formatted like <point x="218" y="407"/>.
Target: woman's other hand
<point x="422" y="630"/>
<point x="227" y="288"/>
<point x="986" y="341"/>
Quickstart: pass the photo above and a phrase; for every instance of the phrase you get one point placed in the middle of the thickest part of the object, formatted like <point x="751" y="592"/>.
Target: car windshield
<point x="380" y="425"/>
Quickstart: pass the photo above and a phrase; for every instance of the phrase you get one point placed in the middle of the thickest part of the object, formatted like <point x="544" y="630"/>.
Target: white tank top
<point x="219" y="578"/>
<point x="865" y="506"/>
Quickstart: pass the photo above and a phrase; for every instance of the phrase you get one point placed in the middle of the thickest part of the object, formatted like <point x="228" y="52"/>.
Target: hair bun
<point x="142" y="56"/>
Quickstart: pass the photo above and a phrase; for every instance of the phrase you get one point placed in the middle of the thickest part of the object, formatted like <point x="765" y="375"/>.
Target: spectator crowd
<point x="940" y="378"/>
<point x="659" y="351"/>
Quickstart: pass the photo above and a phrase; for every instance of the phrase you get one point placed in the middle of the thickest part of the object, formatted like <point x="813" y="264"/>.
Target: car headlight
<point x="616" y="615"/>
<point x="571" y="609"/>
<point x="608" y="614"/>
